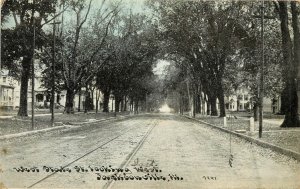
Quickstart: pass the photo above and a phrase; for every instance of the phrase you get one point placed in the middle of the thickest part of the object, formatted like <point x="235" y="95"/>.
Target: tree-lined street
<point x="175" y="145"/>
<point x="106" y="51"/>
<point x="149" y="94"/>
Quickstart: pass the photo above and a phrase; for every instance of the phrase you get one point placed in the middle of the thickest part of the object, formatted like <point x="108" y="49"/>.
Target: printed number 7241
<point x="209" y="178"/>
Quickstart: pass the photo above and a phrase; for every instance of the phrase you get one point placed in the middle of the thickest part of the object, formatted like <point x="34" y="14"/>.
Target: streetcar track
<point x="129" y="157"/>
<point x="123" y="132"/>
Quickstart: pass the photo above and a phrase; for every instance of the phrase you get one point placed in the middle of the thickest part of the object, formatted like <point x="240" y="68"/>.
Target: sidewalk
<point x="38" y="111"/>
<point x="283" y="140"/>
<point x="15" y="125"/>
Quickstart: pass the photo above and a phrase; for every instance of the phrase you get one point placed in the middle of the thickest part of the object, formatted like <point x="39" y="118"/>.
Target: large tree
<point x="80" y="66"/>
<point x="17" y="41"/>
<point x="133" y="44"/>
<point x="291" y="59"/>
<point x="206" y="34"/>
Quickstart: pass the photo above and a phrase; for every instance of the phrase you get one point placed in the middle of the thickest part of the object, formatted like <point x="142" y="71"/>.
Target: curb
<point x="28" y="133"/>
<point x="6" y="117"/>
<point x="36" y="115"/>
<point x="99" y="120"/>
<point x="261" y="143"/>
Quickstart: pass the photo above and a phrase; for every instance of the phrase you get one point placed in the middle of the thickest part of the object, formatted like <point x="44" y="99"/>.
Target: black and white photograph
<point x="152" y="94"/>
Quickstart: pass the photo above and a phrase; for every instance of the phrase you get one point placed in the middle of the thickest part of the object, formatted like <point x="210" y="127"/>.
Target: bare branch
<point x="15" y="18"/>
<point x="86" y="15"/>
<point x="103" y="38"/>
<point x="102" y="4"/>
<point x="276" y="5"/>
<point x="55" y="16"/>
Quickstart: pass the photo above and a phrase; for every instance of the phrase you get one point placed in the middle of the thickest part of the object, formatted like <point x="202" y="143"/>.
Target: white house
<point x="6" y="91"/>
<point x="10" y="93"/>
<point x="241" y="101"/>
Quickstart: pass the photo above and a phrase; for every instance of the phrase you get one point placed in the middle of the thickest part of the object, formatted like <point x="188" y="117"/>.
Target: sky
<point x="136" y="6"/>
<point x="160" y="66"/>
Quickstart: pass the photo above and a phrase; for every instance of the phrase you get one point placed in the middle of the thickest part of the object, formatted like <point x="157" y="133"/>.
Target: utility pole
<point x="0" y="38"/>
<point x="112" y="103"/>
<point x="53" y="75"/>
<point x="32" y="68"/>
<point x="261" y="86"/>
<point x="2" y="2"/>
<point x="262" y="17"/>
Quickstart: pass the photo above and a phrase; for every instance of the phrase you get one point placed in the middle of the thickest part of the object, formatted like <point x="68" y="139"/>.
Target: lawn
<point x="23" y="124"/>
<point x="288" y="138"/>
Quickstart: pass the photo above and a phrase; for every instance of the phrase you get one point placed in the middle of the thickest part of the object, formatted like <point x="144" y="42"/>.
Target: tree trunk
<point x="122" y="104"/>
<point x="198" y="104"/>
<point x="92" y="99"/>
<point x="194" y="106"/>
<point x="97" y="101"/>
<point x="86" y="102"/>
<point x="213" y="105"/>
<point x="190" y="99"/>
<point x="202" y="105"/>
<point x="79" y="99"/>
<point x="131" y="105"/>
<point x="117" y="103"/>
<point x="69" y="108"/>
<point x="284" y="105"/>
<point x="208" y="105"/>
<point x="255" y="111"/>
<point x="291" y="118"/>
<point x="181" y="104"/>
<point x="296" y="60"/>
<point x="222" y="102"/>
<point x="291" y="115"/>
<point x="105" y="100"/>
<point x="26" y="65"/>
<point x="125" y="103"/>
<point x="136" y="107"/>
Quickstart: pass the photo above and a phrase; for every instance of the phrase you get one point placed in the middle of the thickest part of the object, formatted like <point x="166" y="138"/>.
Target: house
<point x="10" y="93"/>
<point x="6" y="91"/>
<point x="242" y="101"/>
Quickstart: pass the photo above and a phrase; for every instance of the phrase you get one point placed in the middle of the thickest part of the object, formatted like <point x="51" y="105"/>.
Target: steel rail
<point x="123" y="132"/>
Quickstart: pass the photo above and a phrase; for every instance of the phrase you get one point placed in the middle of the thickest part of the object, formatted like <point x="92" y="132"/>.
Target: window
<point x="39" y="97"/>
<point x="247" y="106"/>
<point x="240" y="97"/>
<point x="246" y="97"/>
<point x="274" y="102"/>
<point x="5" y="95"/>
<point x="4" y="79"/>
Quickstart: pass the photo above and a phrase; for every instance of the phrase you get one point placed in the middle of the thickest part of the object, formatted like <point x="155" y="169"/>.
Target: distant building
<point x="242" y="101"/>
<point x="6" y="91"/>
<point x="10" y="94"/>
<point x="239" y="102"/>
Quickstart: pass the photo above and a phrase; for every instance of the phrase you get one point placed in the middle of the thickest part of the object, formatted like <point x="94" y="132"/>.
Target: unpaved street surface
<point x="150" y="151"/>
